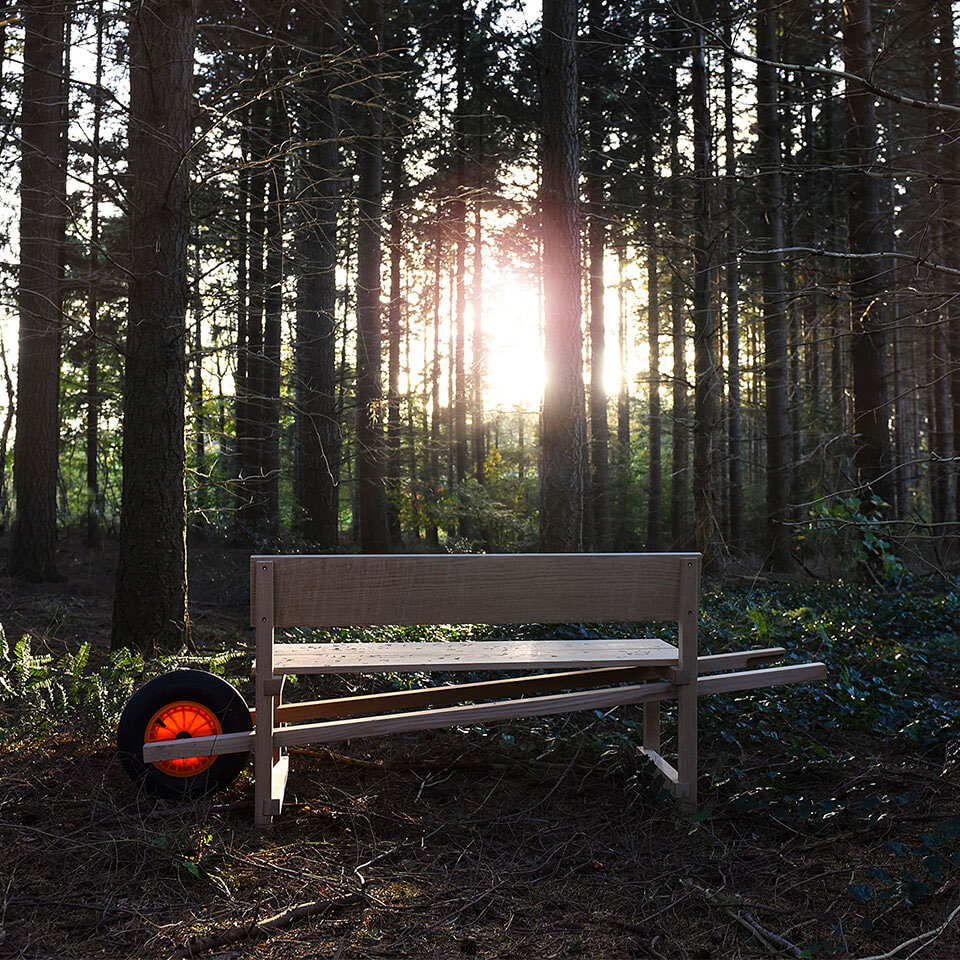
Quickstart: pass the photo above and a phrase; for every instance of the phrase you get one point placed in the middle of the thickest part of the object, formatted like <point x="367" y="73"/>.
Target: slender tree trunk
<point x="950" y="163"/>
<point x="374" y="535"/>
<point x="596" y="241"/>
<point x="253" y="512"/>
<point x="563" y="431"/>
<point x="94" y="511"/>
<point x="735" y="476"/>
<point x="867" y="354"/>
<point x="318" y="447"/>
<point x="774" y="290"/>
<point x="479" y="446"/>
<point x="655" y="494"/>
<point x="273" y="302"/>
<point x="42" y="222"/>
<point x="707" y="386"/>
<point x="622" y="531"/>
<point x="393" y="348"/>
<point x="241" y="406"/>
<point x="433" y="537"/>
<point x="459" y="224"/>
<point x="150" y="609"/>
<point x="196" y="385"/>
<point x="679" y="479"/>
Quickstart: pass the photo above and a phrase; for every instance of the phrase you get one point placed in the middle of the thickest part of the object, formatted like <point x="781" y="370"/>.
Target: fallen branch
<point x="244" y="931"/>
<point x="924" y="940"/>
<point x="772" y="941"/>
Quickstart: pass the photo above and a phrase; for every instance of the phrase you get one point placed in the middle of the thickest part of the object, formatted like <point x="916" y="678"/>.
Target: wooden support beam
<point x="668" y="770"/>
<point x="339" y="730"/>
<point x="366" y="704"/>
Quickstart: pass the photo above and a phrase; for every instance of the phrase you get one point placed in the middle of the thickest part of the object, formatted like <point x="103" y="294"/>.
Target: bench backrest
<point x="327" y="591"/>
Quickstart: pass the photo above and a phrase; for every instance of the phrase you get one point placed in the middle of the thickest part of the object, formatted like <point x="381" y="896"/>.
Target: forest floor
<point x="830" y="823"/>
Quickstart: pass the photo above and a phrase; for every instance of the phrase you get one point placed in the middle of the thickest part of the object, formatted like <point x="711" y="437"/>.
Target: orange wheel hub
<point x="183" y="720"/>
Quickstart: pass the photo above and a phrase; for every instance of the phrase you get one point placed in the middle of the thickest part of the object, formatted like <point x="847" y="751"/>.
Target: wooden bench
<point x="336" y="591"/>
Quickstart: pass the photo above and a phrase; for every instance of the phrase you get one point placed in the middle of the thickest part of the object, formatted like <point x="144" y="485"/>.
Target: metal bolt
<point x="263" y="619"/>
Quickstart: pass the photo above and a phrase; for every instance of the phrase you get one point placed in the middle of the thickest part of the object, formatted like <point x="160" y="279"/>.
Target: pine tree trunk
<point x="317" y="456"/>
<point x="374" y="535"/>
<point x="563" y="431"/>
<point x="596" y="240"/>
<point x="393" y="348"/>
<point x="273" y="304"/>
<point x="241" y="403"/>
<point x="252" y="513"/>
<point x="42" y="222"/>
<point x="679" y="478"/>
<point x="92" y="432"/>
<point x="433" y="484"/>
<point x="707" y="386"/>
<point x="774" y="290"/>
<point x="655" y="486"/>
<point x="150" y="609"/>
<point x="735" y="475"/>
<point x="867" y="354"/>
<point x="459" y="224"/>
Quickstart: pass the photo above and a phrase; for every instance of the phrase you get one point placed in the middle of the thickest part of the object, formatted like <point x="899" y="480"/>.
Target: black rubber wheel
<point x="206" y="697"/>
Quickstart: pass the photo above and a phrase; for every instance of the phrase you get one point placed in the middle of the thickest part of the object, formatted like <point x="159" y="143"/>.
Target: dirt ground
<point x="524" y="840"/>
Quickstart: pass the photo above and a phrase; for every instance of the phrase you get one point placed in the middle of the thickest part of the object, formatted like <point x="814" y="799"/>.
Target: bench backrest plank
<point x="327" y="591"/>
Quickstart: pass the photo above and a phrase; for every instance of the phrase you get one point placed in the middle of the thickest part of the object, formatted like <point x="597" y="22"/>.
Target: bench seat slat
<point x="416" y="656"/>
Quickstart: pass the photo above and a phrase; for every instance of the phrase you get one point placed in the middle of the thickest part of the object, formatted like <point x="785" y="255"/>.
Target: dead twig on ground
<point x="772" y="941"/>
<point x="244" y="931"/>
<point x="923" y="941"/>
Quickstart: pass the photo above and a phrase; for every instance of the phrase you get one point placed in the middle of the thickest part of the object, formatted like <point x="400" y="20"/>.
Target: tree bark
<point x="150" y="609"/>
<point x="273" y="302"/>
<point x="92" y="432"/>
<point x="563" y="430"/>
<point x="679" y="478"/>
<point x="318" y="447"/>
<point x="774" y="290"/>
<point x="596" y="240"/>
<point x="42" y="223"/>
<point x="374" y="536"/>
<point x="707" y="387"/>
<point x="735" y="475"/>
<point x="393" y="347"/>
<point x="871" y="458"/>
<point x="655" y="487"/>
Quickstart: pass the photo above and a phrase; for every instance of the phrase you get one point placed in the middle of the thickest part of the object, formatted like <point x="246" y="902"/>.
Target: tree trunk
<point x="735" y="475"/>
<point x="273" y="304"/>
<point x="42" y="223"/>
<point x="252" y="513"/>
<point x="596" y="239"/>
<point x="871" y="457"/>
<point x="241" y="403"/>
<point x="393" y="348"/>
<point x="374" y="535"/>
<point x="707" y="387"/>
<point x="774" y="290"/>
<point x="655" y="494"/>
<point x="679" y="478"/>
<point x="433" y="537"/>
<point x="563" y="431"/>
<point x="94" y="509"/>
<point x="622" y="532"/>
<point x="150" y="609"/>
<point x="318" y="451"/>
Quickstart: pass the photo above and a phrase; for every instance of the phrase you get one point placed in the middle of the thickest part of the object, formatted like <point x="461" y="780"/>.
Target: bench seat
<point x="418" y="656"/>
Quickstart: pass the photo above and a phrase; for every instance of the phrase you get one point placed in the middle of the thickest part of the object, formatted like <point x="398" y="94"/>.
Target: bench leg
<point x="687" y="745"/>
<point x="263" y="758"/>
